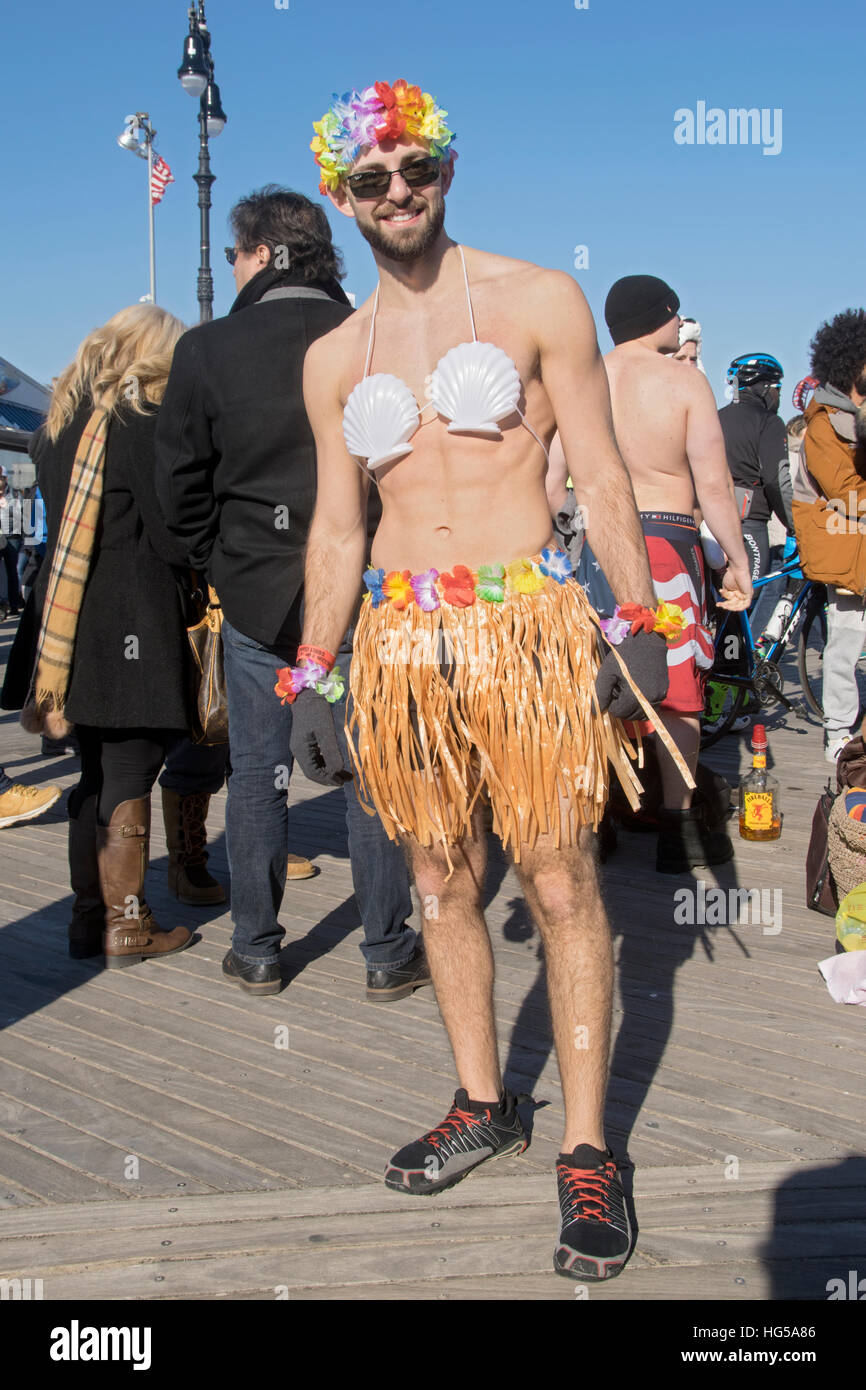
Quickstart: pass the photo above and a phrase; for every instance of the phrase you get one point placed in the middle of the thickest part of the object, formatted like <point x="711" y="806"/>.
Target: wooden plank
<point x="43" y="1178"/>
<point x="223" y="1132"/>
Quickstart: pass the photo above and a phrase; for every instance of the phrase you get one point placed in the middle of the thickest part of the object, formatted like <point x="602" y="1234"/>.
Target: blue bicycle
<point x="746" y="669"/>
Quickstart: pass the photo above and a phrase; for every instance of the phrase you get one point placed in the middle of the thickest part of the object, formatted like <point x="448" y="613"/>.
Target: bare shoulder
<point x="696" y="390"/>
<point x="678" y="384"/>
<point x="523" y="281"/>
<point x="333" y="357"/>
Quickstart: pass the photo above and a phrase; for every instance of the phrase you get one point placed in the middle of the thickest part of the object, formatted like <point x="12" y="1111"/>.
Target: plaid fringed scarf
<point x="70" y="568"/>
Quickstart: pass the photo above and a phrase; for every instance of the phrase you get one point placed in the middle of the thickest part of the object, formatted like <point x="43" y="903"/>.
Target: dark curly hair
<point x="294" y="229"/>
<point x="839" y="350"/>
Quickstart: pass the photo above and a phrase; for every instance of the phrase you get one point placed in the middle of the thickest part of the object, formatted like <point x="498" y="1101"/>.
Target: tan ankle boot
<point x="186" y="837"/>
<point x="131" y="934"/>
<point x="88" y="909"/>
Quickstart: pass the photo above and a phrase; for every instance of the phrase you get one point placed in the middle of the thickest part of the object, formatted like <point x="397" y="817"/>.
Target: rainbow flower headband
<point x="356" y="121"/>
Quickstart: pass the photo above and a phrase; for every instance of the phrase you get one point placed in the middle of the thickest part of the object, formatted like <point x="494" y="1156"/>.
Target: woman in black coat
<point x="128" y="689"/>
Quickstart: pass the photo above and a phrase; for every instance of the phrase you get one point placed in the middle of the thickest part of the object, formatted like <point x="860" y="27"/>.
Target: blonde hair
<point x="127" y="360"/>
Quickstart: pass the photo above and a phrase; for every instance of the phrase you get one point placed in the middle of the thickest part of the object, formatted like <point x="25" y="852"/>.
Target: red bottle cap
<point x="759" y="738"/>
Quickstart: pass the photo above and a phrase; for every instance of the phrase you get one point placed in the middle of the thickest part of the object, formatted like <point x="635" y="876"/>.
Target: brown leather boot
<point x="131" y="934"/>
<point x="88" y="909"/>
<point x="186" y="837"/>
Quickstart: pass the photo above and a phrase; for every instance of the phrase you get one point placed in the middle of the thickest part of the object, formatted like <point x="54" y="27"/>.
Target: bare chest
<point x="411" y="344"/>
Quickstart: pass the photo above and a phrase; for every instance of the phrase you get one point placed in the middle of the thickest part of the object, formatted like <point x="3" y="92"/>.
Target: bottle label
<point x="758" y="810"/>
<point x="759" y="760"/>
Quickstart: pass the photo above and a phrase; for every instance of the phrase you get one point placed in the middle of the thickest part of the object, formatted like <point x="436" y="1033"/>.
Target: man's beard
<point x="406" y="247"/>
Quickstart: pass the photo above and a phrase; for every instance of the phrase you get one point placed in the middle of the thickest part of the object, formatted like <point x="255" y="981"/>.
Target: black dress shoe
<point x="388" y="982"/>
<point x="257" y="977"/>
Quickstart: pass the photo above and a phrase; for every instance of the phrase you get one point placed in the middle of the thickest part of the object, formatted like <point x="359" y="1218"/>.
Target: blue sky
<point x="565" y="124"/>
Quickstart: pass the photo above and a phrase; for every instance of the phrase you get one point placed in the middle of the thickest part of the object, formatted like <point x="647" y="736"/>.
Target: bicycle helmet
<point x="755" y="369"/>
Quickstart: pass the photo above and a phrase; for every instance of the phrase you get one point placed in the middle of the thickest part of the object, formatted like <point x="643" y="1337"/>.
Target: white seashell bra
<point x="474" y="386"/>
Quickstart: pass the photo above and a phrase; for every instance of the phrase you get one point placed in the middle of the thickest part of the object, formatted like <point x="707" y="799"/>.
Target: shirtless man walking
<point x="475" y="668"/>
<point x="667" y="427"/>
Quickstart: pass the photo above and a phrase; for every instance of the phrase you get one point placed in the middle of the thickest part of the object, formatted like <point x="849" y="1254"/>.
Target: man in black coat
<point x="236" y="476"/>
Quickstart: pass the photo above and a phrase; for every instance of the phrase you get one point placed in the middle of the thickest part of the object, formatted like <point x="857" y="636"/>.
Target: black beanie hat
<point x="637" y="305"/>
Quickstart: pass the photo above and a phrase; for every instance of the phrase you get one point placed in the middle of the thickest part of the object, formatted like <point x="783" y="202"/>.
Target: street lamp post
<point x="139" y="132"/>
<point x="196" y="74"/>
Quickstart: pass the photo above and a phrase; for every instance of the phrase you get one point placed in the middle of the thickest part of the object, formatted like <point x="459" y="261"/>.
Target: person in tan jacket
<point x="829" y="510"/>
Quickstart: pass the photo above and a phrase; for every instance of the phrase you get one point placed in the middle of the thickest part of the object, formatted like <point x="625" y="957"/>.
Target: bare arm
<point x="705" y="450"/>
<point x="576" y="381"/>
<point x="337" y="541"/>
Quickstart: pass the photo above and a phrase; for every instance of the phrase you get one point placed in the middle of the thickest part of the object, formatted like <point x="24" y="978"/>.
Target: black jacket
<point x="236" y="462"/>
<point x="756" y="443"/>
<point x="131" y="667"/>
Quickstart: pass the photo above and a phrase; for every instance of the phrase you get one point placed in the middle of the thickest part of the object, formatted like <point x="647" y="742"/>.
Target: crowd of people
<point x="534" y="604"/>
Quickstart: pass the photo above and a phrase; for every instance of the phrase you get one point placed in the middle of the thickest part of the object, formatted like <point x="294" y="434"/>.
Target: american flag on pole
<point x="161" y="176"/>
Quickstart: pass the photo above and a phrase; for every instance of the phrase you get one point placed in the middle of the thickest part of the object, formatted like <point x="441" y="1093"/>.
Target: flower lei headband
<point x="357" y="121"/>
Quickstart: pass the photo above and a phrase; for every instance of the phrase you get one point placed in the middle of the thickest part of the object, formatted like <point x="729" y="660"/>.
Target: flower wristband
<point x="291" y="680"/>
<point x="630" y="618"/>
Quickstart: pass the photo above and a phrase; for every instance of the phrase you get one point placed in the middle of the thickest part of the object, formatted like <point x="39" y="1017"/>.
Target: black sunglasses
<point x="376" y="183"/>
<point x="232" y="254"/>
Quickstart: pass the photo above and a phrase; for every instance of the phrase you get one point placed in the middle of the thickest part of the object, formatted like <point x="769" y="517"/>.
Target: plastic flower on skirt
<point x="670" y="621"/>
<point x="458" y="587"/>
<point x="397" y="588"/>
<point x="522" y="578"/>
<point x="556" y="564"/>
<point x="491" y="583"/>
<point x="374" y="580"/>
<point x="423" y="586"/>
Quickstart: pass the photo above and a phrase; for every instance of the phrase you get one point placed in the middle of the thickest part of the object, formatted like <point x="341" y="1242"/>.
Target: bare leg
<point x="685" y="730"/>
<point x="561" y="888"/>
<point x="458" y="950"/>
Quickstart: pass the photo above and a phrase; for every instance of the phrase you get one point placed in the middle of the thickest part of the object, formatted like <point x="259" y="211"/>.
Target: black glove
<point x="644" y="654"/>
<point x="314" y="741"/>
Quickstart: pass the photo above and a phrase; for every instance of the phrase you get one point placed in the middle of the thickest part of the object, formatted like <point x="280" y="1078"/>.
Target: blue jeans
<point x="5" y="781"/>
<point x="195" y="767"/>
<point x="257" y="836"/>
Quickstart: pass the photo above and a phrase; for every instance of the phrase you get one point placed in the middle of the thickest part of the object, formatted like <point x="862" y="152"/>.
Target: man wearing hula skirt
<point x="479" y="675"/>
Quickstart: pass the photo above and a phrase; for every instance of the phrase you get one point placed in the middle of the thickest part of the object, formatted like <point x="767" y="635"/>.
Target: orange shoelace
<point x="588" y="1190"/>
<point x="454" y="1120"/>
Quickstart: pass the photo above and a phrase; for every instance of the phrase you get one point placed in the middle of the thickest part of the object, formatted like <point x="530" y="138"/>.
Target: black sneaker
<point x="386" y="983"/>
<point x="595" y="1237"/>
<point x="470" y="1133"/>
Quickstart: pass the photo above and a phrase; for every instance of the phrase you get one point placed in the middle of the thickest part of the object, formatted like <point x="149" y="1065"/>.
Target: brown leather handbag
<point x="210" y="721"/>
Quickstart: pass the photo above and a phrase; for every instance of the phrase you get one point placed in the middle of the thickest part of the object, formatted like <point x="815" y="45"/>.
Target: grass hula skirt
<point x="495" y="699"/>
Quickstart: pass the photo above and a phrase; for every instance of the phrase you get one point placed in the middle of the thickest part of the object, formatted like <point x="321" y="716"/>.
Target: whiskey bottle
<point x="760" y="806"/>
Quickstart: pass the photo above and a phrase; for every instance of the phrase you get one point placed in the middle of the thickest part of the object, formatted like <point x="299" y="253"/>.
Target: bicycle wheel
<point x="732" y="703"/>
<point x="810" y="649"/>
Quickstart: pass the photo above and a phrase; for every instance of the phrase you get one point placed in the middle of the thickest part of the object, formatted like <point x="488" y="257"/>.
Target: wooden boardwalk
<point x="163" y="1136"/>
